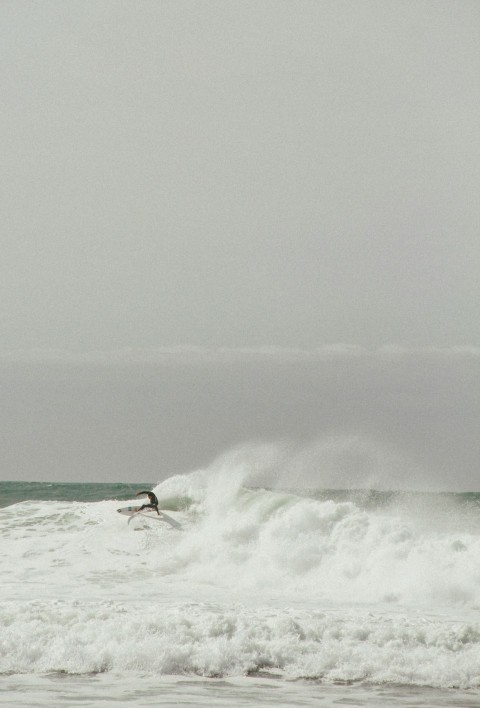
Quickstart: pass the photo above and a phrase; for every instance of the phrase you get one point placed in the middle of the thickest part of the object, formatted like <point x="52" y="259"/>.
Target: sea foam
<point x="255" y="581"/>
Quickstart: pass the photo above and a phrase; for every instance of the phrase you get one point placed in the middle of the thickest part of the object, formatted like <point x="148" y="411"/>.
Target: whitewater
<point x="262" y="597"/>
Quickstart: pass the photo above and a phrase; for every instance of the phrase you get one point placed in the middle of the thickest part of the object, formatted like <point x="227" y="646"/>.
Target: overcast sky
<point x="232" y="175"/>
<point x="239" y="173"/>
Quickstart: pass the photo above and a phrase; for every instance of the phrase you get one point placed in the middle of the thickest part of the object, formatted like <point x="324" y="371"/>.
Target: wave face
<point x="336" y="586"/>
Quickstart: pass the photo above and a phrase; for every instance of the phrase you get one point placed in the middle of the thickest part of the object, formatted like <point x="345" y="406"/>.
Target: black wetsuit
<point x="153" y="502"/>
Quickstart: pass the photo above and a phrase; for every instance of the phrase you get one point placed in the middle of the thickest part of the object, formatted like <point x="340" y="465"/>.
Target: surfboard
<point x="134" y="511"/>
<point x="129" y="510"/>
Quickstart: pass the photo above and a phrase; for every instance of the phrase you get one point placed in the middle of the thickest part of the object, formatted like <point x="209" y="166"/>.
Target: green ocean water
<point x="368" y="499"/>
<point x="14" y="492"/>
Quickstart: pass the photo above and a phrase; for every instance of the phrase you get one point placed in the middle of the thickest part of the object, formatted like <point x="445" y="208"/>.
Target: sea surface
<point x="260" y="597"/>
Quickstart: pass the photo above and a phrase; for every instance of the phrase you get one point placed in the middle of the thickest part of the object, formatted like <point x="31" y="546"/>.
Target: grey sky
<point x="202" y="199"/>
<point x="239" y="173"/>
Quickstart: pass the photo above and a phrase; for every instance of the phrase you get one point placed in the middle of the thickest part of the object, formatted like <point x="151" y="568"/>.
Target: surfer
<point x="152" y="499"/>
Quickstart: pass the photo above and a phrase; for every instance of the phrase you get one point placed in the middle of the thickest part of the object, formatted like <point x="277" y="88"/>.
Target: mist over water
<point x="346" y="418"/>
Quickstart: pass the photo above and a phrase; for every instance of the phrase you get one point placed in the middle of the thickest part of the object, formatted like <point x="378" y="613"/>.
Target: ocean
<point x="261" y="596"/>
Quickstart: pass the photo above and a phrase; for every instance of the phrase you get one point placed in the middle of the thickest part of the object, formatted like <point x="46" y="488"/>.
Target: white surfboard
<point x="129" y="510"/>
<point x="151" y="514"/>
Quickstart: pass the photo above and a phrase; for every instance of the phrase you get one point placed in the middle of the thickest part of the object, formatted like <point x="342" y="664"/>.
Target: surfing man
<point x="152" y="499"/>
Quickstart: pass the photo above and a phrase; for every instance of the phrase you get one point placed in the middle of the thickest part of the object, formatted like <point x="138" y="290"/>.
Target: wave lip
<point x="416" y="550"/>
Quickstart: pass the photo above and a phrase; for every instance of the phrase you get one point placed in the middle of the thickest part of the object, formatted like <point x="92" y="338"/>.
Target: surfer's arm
<point x="138" y="493"/>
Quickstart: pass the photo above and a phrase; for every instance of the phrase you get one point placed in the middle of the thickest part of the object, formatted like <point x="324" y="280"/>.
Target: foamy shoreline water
<point x="258" y="592"/>
<point x="140" y="690"/>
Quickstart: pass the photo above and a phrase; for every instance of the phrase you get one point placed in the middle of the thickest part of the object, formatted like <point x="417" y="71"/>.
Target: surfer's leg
<point x="148" y="506"/>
